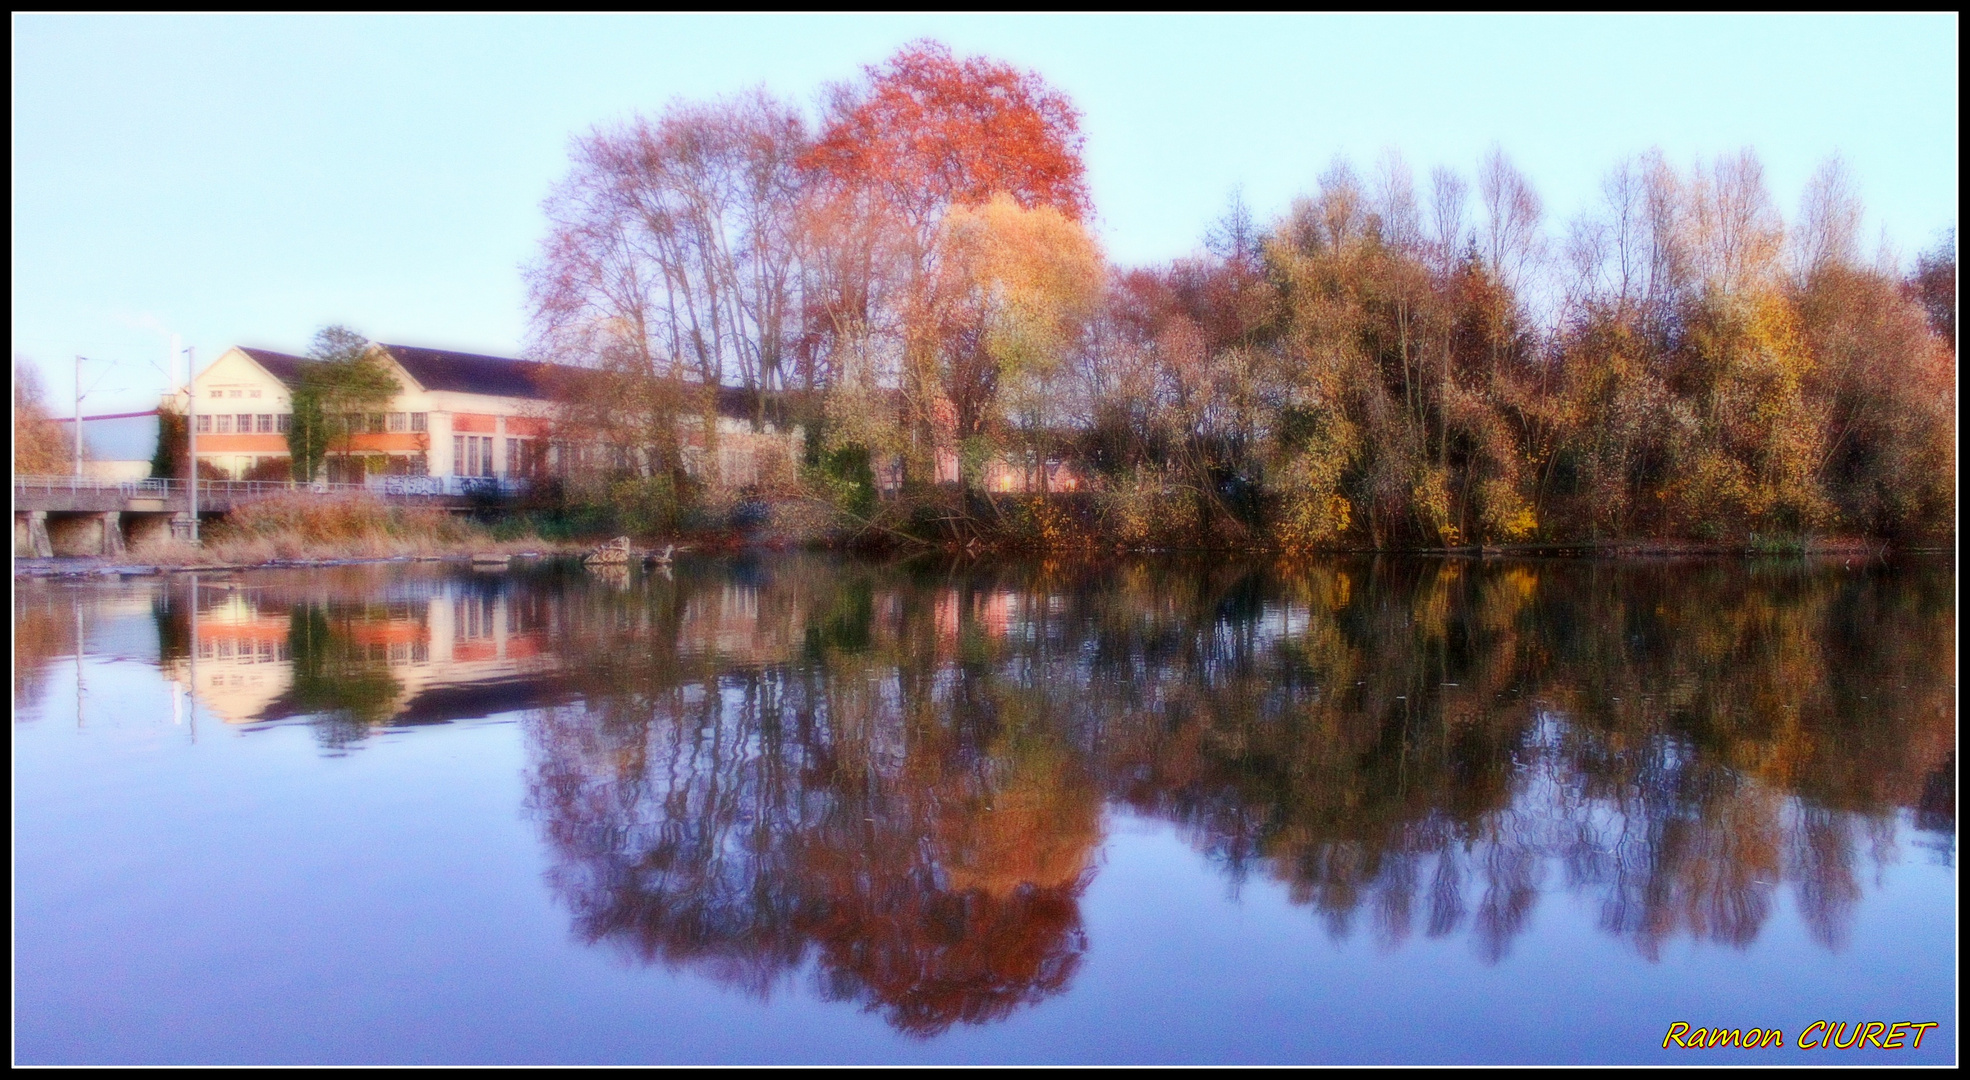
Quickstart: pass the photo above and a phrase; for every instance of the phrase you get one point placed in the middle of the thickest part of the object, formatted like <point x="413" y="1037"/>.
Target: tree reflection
<point x="923" y="839"/>
<point x="896" y="775"/>
<point x="44" y="629"/>
<point x="891" y="779"/>
<point x="348" y="688"/>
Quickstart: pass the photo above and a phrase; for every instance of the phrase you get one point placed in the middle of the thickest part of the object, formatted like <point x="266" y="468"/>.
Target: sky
<point x="245" y="180"/>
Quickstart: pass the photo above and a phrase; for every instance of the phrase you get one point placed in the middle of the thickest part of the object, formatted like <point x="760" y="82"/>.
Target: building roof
<point x="473" y="373"/>
<point x="280" y="365"/>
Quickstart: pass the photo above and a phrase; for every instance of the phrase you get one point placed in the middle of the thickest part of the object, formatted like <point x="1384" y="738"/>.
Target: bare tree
<point x="1342" y="207"/>
<point x="1828" y="233"/>
<point x="1234" y="237"/>
<point x="1736" y="232"/>
<point x="1512" y="211"/>
<point x="1395" y="202"/>
<point x="1448" y="196"/>
<point x="673" y="264"/>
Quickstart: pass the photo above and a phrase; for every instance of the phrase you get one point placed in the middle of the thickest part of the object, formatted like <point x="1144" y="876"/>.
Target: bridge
<point x="80" y="515"/>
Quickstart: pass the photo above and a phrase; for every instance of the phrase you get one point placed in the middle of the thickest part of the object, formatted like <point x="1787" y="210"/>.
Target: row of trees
<point x="1383" y="365"/>
<point x="912" y="269"/>
<point x="1363" y="372"/>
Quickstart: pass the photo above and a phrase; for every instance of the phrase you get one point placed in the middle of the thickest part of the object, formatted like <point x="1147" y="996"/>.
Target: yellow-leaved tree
<point x="1015" y="288"/>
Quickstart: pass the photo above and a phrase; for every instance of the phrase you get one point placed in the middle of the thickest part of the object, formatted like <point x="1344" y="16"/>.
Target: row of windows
<point x="267" y="652"/>
<point x="235" y="393"/>
<point x="359" y="423"/>
<point x="269" y="423"/>
<point x="472" y="455"/>
<point x="244" y="423"/>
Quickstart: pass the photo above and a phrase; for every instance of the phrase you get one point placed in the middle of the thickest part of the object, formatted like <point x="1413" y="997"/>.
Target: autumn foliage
<point x="40" y="446"/>
<point x="927" y="131"/>
<point x="1386" y="364"/>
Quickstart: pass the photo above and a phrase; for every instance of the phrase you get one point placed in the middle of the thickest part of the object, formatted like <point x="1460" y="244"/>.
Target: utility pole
<point x="191" y="448"/>
<point x="191" y="691"/>
<point x="78" y="418"/>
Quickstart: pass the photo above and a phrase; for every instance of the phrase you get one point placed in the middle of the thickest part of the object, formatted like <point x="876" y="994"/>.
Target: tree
<point x="673" y="266"/>
<point x="924" y="133"/>
<point x="1829" y="222"/>
<point x="173" y="441"/>
<point x="1511" y="239"/>
<point x="40" y="449"/>
<point x="343" y="379"/>
<point x="928" y="131"/>
<point x="1934" y="286"/>
<point x="1018" y="286"/>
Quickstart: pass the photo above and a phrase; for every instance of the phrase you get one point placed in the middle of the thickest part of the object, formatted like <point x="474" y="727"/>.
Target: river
<point x="806" y="809"/>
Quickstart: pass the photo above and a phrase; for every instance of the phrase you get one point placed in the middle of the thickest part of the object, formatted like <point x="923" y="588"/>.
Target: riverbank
<point x="93" y="567"/>
<point x="183" y="558"/>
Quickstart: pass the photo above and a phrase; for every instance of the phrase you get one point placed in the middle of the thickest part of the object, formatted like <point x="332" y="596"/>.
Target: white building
<point x="457" y="414"/>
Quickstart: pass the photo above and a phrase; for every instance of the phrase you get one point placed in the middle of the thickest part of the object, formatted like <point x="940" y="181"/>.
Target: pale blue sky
<point x="244" y="180"/>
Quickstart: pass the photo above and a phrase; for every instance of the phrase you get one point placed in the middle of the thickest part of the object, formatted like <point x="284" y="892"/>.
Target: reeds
<point x="304" y="527"/>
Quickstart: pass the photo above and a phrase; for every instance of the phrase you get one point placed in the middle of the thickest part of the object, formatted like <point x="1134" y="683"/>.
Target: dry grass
<point x="303" y="527"/>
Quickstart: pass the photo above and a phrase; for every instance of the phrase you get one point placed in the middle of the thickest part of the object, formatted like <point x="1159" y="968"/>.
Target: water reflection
<point x="893" y="779"/>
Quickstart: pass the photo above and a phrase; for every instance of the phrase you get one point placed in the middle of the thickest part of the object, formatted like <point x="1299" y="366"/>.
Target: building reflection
<point x="271" y="648"/>
<point x="891" y="780"/>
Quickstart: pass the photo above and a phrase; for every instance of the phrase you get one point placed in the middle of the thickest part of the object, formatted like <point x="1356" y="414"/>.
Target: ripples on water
<point x="899" y="777"/>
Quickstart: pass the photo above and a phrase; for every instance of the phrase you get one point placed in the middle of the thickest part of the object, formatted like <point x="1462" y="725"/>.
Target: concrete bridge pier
<point x="147" y="528"/>
<point x="113" y="534"/>
<point x="31" y="535"/>
<point x="97" y="534"/>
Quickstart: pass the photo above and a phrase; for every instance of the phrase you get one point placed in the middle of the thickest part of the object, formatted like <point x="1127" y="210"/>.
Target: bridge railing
<point x="238" y="490"/>
<point x="75" y="485"/>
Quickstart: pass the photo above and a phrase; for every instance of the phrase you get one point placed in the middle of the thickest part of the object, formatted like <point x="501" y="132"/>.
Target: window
<point x="376" y="422"/>
<point x="266" y="424"/>
<point x="458" y="456"/>
<point x="204" y="423"/>
<point x="245" y="423"/>
<point x="353" y="422"/>
<point x="284" y="423"/>
<point x="218" y="393"/>
<point x="253" y="393"/>
<point x="397" y="422"/>
<point x="225" y="423"/>
<point x="420" y="421"/>
<point x="512" y="457"/>
<point x="236" y="393"/>
<point x="485" y="456"/>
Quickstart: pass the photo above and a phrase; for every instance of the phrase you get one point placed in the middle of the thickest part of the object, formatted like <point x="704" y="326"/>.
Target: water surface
<point x="803" y="809"/>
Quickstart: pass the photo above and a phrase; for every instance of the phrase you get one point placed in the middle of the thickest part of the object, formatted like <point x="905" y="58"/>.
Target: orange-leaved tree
<point x="921" y="134"/>
<point x="39" y="445"/>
